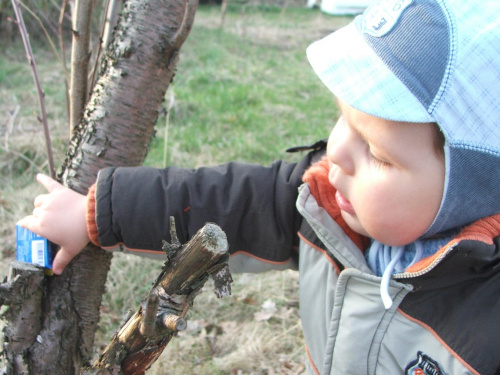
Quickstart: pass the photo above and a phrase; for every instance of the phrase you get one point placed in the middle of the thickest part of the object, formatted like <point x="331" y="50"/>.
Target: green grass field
<point x="243" y="91"/>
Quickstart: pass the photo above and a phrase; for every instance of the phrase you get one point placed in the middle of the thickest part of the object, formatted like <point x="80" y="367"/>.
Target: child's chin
<point x="354" y="224"/>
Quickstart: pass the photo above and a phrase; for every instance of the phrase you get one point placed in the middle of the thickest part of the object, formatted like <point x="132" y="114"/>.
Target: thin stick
<point x="80" y="57"/>
<point x="171" y="101"/>
<point x="42" y="26"/>
<point x="41" y="94"/>
<point x="63" y="55"/>
<point x="93" y="74"/>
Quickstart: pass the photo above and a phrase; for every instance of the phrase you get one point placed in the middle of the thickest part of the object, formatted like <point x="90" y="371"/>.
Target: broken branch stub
<point x="141" y="340"/>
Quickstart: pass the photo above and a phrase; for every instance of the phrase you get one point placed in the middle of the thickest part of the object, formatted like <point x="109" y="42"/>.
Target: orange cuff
<point x="91" y="222"/>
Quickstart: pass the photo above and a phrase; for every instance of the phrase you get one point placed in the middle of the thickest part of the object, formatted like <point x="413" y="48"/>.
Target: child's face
<point x="388" y="175"/>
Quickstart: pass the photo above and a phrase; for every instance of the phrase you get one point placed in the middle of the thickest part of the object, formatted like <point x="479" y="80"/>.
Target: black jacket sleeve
<point x="254" y="205"/>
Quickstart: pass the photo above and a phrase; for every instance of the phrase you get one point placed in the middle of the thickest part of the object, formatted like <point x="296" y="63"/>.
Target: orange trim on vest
<point x="322" y="251"/>
<point x="483" y="230"/>
<point x="260" y="259"/>
<point x="308" y="355"/>
<point x="133" y="250"/>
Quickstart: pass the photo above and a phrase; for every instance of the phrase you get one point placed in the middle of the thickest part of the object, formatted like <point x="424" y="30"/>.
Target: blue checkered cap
<point x="429" y="61"/>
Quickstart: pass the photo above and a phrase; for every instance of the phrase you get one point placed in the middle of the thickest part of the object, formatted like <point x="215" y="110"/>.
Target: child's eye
<point x="371" y="157"/>
<point x="376" y="161"/>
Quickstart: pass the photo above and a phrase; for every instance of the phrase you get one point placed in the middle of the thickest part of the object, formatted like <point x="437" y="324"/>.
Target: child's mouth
<point x="343" y="203"/>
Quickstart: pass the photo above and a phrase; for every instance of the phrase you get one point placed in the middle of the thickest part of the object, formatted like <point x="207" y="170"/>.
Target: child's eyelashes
<point x="377" y="161"/>
<point x="366" y="144"/>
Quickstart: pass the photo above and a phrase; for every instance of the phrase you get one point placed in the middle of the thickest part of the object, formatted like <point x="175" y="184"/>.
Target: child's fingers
<point x="36" y="212"/>
<point x="61" y="260"/>
<point x="49" y="183"/>
<point x="39" y="200"/>
<point x="30" y="222"/>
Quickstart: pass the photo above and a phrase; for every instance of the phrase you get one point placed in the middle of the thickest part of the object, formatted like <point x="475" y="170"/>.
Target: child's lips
<point x="343" y="203"/>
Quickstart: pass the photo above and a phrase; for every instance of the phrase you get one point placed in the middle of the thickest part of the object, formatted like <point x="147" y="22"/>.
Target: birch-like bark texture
<point x="118" y="122"/>
<point x="116" y="129"/>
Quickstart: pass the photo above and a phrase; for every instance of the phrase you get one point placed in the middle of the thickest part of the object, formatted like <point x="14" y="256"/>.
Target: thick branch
<point x="135" y="73"/>
<point x="110" y="21"/>
<point x="144" y="336"/>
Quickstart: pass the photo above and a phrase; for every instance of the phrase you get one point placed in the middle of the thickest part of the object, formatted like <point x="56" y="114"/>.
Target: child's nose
<point x="339" y="151"/>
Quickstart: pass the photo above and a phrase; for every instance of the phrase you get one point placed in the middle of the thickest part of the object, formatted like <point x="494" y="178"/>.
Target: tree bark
<point x="116" y="129"/>
<point x="23" y="294"/>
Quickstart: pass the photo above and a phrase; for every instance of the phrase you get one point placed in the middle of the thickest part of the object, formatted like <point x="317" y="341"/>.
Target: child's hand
<point x="59" y="216"/>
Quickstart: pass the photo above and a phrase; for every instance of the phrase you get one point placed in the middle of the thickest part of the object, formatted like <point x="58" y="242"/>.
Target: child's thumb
<point x="61" y="260"/>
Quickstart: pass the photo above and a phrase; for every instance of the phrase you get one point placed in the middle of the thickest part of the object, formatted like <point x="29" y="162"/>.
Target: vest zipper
<point x="430" y="267"/>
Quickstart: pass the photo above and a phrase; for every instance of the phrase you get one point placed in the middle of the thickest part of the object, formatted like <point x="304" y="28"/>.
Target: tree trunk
<point x="116" y="129"/>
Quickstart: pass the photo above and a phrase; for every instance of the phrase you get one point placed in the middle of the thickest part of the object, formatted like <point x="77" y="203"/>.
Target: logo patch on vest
<point x="423" y="365"/>
<point x="380" y="18"/>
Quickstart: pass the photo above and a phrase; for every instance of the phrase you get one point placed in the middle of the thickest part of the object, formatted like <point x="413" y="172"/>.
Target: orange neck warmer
<point x="324" y="193"/>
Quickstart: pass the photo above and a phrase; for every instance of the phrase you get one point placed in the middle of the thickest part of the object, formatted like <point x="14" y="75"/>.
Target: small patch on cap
<point x="381" y="17"/>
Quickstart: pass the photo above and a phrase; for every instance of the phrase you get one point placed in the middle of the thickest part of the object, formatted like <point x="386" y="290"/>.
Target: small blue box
<point x="31" y="248"/>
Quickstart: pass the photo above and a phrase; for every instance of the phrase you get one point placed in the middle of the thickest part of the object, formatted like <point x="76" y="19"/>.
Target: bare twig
<point x="171" y="101"/>
<point x="63" y="54"/>
<point x="110" y="22"/>
<point x="41" y="94"/>
<point x="80" y="58"/>
<point x="112" y="9"/>
<point x="47" y="35"/>
<point x="10" y="125"/>
<point x="97" y="52"/>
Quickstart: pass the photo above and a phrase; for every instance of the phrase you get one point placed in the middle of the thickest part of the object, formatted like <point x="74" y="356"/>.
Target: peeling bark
<point x="118" y="123"/>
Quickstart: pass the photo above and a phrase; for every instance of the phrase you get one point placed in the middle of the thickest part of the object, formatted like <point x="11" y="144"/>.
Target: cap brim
<point x="353" y="72"/>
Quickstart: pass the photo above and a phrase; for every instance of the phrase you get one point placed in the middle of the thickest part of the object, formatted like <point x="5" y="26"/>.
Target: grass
<point x="243" y="91"/>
